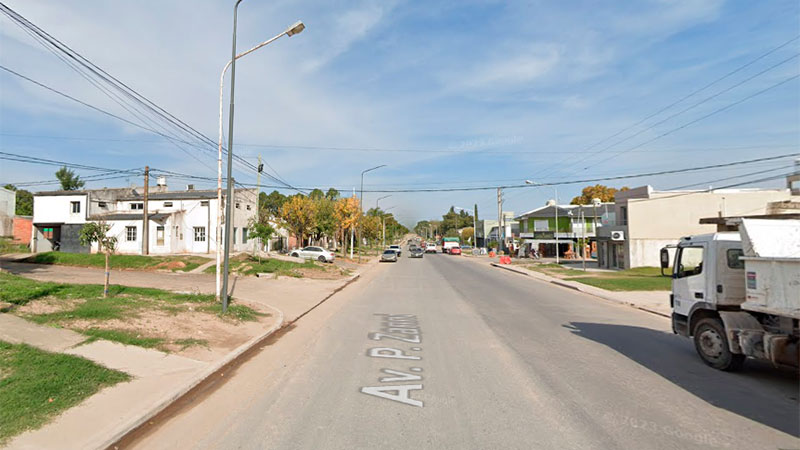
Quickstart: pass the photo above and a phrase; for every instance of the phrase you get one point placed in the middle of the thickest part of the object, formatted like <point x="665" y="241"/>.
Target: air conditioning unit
<point x="617" y="235"/>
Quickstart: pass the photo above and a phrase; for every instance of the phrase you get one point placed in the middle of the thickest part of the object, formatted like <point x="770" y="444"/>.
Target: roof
<point x="180" y="195"/>
<point x="735" y="220"/>
<point x="129" y="216"/>
<point x="564" y="210"/>
<point x="59" y="193"/>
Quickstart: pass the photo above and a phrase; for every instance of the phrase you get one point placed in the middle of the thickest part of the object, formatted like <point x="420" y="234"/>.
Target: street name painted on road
<point x="402" y="328"/>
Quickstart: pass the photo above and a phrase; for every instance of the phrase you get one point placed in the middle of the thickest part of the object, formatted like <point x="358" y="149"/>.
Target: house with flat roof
<point x="647" y="219"/>
<point x="553" y="227"/>
<point x="178" y="221"/>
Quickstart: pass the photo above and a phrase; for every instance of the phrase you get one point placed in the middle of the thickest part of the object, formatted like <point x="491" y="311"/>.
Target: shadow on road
<point x="749" y="393"/>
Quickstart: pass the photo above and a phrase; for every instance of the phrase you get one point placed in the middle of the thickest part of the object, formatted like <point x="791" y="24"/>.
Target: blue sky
<point x="446" y="94"/>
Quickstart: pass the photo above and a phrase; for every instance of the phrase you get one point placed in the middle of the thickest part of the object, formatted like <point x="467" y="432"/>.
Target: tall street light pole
<point x="294" y="29"/>
<point x="361" y="206"/>
<point x="297" y="27"/>
<point x="383" y="235"/>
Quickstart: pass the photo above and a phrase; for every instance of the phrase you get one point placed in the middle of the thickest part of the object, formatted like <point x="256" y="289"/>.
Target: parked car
<point x="318" y="253"/>
<point x="397" y="249"/>
<point x="430" y="248"/>
<point x="455" y="250"/>
<point x="416" y="252"/>
<point x="389" y="255"/>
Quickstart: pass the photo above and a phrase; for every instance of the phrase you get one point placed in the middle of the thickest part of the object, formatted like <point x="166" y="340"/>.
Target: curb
<point x="579" y="289"/>
<point x="200" y="378"/>
<point x="210" y="372"/>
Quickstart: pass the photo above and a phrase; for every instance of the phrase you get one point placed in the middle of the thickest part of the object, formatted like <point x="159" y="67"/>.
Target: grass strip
<point x="117" y="261"/>
<point x="36" y="386"/>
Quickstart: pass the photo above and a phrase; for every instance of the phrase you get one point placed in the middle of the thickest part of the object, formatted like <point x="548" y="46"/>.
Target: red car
<point x="455" y="250"/>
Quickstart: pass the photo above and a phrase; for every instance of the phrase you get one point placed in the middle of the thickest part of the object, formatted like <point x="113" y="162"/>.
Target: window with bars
<point x="199" y="234"/>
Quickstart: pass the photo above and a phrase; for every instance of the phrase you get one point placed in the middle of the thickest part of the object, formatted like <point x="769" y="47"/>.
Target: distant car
<point x="318" y="253"/>
<point x="416" y="252"/>
<point x="389" y="256"/>
<point x="455" y="250"/>
<point x="397" y="249"/>
<point x="430" y="248"/>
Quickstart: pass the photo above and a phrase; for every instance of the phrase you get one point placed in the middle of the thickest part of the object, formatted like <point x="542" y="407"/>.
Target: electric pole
<point x="257" y="244"/>
<point x="145" y="227"/>
<point x="500" y="219"/>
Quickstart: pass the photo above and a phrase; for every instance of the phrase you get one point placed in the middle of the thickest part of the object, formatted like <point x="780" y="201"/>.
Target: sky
<point x="446" y="94"/>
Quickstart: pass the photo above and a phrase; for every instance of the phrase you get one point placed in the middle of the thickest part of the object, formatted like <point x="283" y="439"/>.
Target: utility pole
<point x="583" y="238"/>
<point x="475" y="228"/>
<point x="499" y="218"/>
<point x="145" y="227"/>
<point x="257" y="245"/>
<point x="556" y="233"/>
<point x="352" y="231"/>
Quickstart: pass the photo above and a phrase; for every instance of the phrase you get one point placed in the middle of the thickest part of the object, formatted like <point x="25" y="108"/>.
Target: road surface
<point x="502" y="362"/>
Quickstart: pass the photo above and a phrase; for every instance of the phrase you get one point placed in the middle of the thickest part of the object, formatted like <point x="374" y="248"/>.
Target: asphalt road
<point x="503" y="362"/>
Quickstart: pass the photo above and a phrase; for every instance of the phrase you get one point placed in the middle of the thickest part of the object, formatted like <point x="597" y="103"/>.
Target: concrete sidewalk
<point x="656" y="302"/>
<point x="158" y="378"/>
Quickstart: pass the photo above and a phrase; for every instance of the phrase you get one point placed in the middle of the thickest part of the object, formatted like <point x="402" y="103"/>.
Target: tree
<point x="347" y="213"/>
<point x="262" y="231"/>
<point x="332" y="194"/>
<point x="324" y="218"/>
<point x="372" y="228"/>
<point x="24" y="201"/>
<point x="604" y="193"/>
<point x="316" y="194"/>
<point x="69" y="181"/>
<point x="298" y="213"/>
<point x="271" y="204"/>
<point x="98" y="232"/>
<point x="467" y="235"/>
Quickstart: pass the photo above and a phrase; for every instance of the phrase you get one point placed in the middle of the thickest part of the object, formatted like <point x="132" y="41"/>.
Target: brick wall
<point x="22" y="229"/>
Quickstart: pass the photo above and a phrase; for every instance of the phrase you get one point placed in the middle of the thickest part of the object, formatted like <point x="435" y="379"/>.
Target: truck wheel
<point x="711" y="344"/>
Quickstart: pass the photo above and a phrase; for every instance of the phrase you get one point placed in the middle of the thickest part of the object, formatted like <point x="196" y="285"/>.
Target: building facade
<point x="647" y="220"/>
<point x="570" y="224"/>
<point x="178" y="221"/>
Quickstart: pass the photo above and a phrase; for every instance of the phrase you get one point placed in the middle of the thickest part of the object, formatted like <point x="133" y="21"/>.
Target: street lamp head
<point x="296" y="28"/>
<point x="529" y="182"/>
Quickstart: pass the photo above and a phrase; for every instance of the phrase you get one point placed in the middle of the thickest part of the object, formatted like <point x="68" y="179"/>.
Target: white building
<point x="647" y="220"/>
<point x="178" y="221"/>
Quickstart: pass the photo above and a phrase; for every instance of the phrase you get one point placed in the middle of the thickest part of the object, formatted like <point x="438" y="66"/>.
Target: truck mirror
<point x="664" y="260"/>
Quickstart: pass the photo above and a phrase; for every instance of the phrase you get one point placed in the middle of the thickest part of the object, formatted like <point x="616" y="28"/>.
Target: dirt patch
<point x="332" y="273"/>
<point x="47" y="305"/>
<point x="170" y="265"/>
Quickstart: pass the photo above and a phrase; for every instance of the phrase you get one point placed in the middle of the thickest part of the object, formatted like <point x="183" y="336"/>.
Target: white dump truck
<point x="737" y="294"/>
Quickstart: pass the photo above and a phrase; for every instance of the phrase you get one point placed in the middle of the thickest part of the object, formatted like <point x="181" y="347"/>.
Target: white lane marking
<point x="386" y="352"/>
<point x="402" y="393"/>
<point x="400" y="376"/>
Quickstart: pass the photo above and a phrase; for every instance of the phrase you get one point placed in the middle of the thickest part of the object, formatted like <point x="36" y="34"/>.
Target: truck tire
<point x="711" y="344"/>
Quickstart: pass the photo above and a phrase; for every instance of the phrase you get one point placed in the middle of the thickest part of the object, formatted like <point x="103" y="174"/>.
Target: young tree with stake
<point x="97" y="232"/>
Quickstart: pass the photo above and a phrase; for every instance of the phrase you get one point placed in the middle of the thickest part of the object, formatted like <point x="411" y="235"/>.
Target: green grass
<point x="19" y="290"/>
<point x="636" y="279"/>
<point x="7" y="245"/>
<point x="36" y="386"/>
<point x="251" y="266"/>
<point x="123" y="303"/>
<point x="116" y="261"/>
<point x="124" y="337"/>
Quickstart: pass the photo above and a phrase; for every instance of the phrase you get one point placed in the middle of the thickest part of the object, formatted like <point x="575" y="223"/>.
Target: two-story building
<point x="178" y="221"/>
<point x="560" y="228"/>
<point x="647" y="219"/>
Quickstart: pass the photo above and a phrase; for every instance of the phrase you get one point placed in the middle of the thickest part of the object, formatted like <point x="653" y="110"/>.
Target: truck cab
<point x="707" y="275"/>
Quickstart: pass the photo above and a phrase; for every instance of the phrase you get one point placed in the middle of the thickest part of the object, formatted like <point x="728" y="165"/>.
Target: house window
<point x="234" y="234"/>
<point x="624" y="213"/>
<point x="541" y="225"/>
<point x="101" y="204"/>
<point x="167" y="204"/>
<point x="75" y="207"/>
<point x="244" y="235"/>
<point x="130" y="234"/>
<point x="47" y="233"/>
<point x="204" y="203"/>
<point x="199" y="234"/>
<point x="137" y="205"/>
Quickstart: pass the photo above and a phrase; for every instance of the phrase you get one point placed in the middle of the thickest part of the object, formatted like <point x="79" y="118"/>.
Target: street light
<point x="556" y="209"/>
<point x="383" y="239"/>
<point x="296" y="28"/>
<point x="361" y="206"/>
